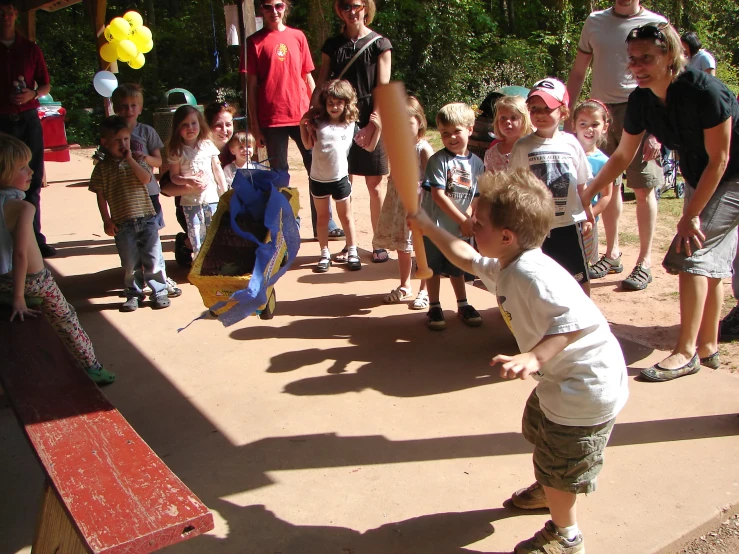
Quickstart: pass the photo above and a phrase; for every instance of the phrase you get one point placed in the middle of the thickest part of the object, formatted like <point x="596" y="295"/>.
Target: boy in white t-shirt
<point x="565" y="344"/>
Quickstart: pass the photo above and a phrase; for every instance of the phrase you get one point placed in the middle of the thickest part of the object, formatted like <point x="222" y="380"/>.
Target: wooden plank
<point x="54" y="532"/>
<point x="120" y="495"/>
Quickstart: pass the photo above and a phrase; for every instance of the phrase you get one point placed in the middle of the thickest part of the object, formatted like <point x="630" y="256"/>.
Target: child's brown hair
<point x="13" y="154"/>
<point x="520" y="202"/>
<point x="127" y="90"/>
<point x="241" y="138"/>
<point x="341" y="90"/>
<point x="593" y="105"/>
<point x="175" y="142"/>
<point x="111" y="126"/>
<point x="416" y="110"/>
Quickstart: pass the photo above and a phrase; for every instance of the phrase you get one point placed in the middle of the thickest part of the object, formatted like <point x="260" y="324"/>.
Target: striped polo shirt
<point x="127" y="197"/>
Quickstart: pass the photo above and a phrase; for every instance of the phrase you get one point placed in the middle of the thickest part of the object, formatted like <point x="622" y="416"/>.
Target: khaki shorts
<point x="565" y="458"/>
<point x="639" y="174"/>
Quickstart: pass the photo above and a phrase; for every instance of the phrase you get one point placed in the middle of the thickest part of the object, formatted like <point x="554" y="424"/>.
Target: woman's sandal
<point x="379" y="255"/>
<point x="657" y="373"/>
<point x="353" y="263"/>
<point x="398" y="295"/>
<point x="342" y="257"/>
<point x="713" y="361"/>
<point x="323" y="265"/>
<point x="336" y="234"/>
<point x="421" y="302"/>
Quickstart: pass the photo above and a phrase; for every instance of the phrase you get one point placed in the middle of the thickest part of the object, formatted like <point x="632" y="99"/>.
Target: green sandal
<point x="638" y="280"/>
<point x="100" y="375"/>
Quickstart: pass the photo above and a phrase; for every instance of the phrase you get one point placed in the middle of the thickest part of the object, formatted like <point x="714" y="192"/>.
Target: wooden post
<point x="55" y="533"/>
<point x="96" y="11"/>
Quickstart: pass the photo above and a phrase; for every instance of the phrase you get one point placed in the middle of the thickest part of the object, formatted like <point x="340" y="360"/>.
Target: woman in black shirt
<point x="695" y="114"/>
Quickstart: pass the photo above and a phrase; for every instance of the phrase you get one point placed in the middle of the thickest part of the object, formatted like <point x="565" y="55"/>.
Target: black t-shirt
<point x="695" y="101"/>
<point x="362" y="74"/>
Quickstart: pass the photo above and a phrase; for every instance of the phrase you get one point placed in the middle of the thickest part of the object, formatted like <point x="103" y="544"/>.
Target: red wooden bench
<point x="106" y="490"/>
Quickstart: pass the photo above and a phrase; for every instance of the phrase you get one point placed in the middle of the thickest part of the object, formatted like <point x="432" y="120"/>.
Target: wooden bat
<point x="399" y="139"/>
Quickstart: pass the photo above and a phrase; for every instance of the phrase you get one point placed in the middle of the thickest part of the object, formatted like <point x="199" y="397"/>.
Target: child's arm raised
<point x="375" y="138"/>
<point x="306" y="135"/>
<point x="142" y="174"/>
<point x="22" y="237"/>
<point x="450" y="208"/>
<point x="524" y="364"/>
<point x="110" y="227"/>
<point x="456" y="250"/>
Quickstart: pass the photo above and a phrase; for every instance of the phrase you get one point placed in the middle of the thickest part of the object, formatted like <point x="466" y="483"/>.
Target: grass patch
<point x="434" y="139"/>
<point x="625" y="237"/>
<point x="672" y="207"/>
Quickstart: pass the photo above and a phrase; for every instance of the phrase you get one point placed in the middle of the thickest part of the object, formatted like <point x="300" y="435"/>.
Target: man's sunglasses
<point x="279" y="7"/>
<point x="354" y="8"/>
<point x="647" y="32"/>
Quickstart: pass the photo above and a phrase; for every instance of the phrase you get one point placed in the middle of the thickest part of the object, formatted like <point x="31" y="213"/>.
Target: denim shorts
<point x="566" y="458"/>
<point x="718" y="222"/>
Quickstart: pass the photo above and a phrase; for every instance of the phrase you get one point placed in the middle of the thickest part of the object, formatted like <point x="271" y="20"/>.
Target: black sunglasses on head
<point x="648" y="32"/>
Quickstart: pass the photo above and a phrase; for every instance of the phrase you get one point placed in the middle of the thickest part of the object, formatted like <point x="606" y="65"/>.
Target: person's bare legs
<point x="322" y="217"/>
<point x="562" y="506"/>
<point x="376" y="197"/>
<point x="693" y="290"/>
<point x="459" y="287"/>
<point x="646" y="220"/>
<point x="708" y="332"/>
<point x="344" y="211"/>
<point x="405" y="262"/>
<point x="434" y="286"/>
<point x="611" y="215"/>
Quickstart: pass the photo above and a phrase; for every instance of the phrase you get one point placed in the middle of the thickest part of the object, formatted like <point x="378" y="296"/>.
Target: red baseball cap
<point x="552" y="91"/>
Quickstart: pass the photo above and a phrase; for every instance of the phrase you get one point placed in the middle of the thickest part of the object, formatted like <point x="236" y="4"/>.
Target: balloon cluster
<point x="128" y="40"/>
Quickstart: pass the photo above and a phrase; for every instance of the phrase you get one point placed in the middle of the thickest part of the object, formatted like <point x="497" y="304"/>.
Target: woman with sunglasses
<point x="697" y="115"/>
<point x="365" y="72"/>
<point x="279" y="86"/>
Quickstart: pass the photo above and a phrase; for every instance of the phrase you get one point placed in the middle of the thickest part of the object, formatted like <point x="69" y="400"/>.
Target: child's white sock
<point x="570" y="533"/>
<point x="325" y="253"/>
<point x="461" y="303"/>
<point x="352" y="251"/>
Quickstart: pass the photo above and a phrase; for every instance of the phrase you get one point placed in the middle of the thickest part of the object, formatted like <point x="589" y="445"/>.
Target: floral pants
<point x="59" y="313"/>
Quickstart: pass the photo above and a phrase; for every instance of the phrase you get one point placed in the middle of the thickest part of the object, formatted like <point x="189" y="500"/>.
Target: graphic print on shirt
<point x="281" y="52"/>
<point x="552" y="169"/>
<point x="506" y="315"/>
<point x="458" y="183"/>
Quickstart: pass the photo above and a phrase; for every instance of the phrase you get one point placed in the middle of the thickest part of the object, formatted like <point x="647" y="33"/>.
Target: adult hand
<point x="521" y="365"/>
<point x="363" y="137"/>
<point x="689" y="234"/>
<point x="652" y="149"/>
<point x="22" y="97"/>
<point x="21" y="310"/>
<point x="258" y="137"/>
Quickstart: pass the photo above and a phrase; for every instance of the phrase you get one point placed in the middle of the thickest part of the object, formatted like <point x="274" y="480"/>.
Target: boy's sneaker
<point x="130" y="305"/>
<point x="469" y="316"/>
<point x="549" y="541"/>
<point x="605" y="266"/>
<point x="160" y="301"/>
<point x="172" y="290"/>
<point x="436" y="319"/>
<point x="728" y="328"/>
<point x="530" y="498"/>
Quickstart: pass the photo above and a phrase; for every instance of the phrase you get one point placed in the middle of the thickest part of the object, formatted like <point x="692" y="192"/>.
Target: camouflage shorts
<point x="565" y="458"/>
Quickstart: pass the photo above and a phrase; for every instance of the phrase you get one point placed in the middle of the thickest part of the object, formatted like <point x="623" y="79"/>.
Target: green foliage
<point x="445" y="50"/>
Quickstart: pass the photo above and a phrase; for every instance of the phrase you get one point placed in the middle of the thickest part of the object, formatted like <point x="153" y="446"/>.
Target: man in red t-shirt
<point x="23" y="79"/>
<point x="279" y="86"/>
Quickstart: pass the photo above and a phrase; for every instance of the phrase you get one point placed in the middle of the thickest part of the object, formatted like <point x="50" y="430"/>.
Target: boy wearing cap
<point x="560" y="162"/>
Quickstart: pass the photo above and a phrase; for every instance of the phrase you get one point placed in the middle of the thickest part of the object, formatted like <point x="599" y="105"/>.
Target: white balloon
<point x="105" y="83"/>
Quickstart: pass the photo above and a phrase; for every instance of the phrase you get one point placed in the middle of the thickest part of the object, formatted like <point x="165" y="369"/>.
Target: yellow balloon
<point x="127" y="51"/>
<point x="109" y="51"/>
<point x="134" y="19"/>
<point x="141" y="36"/>
<point x="108" y="34"/>
<point x="119" y="28"/>
<point x="138" y="62"/>
<point x="146" y="48"/>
